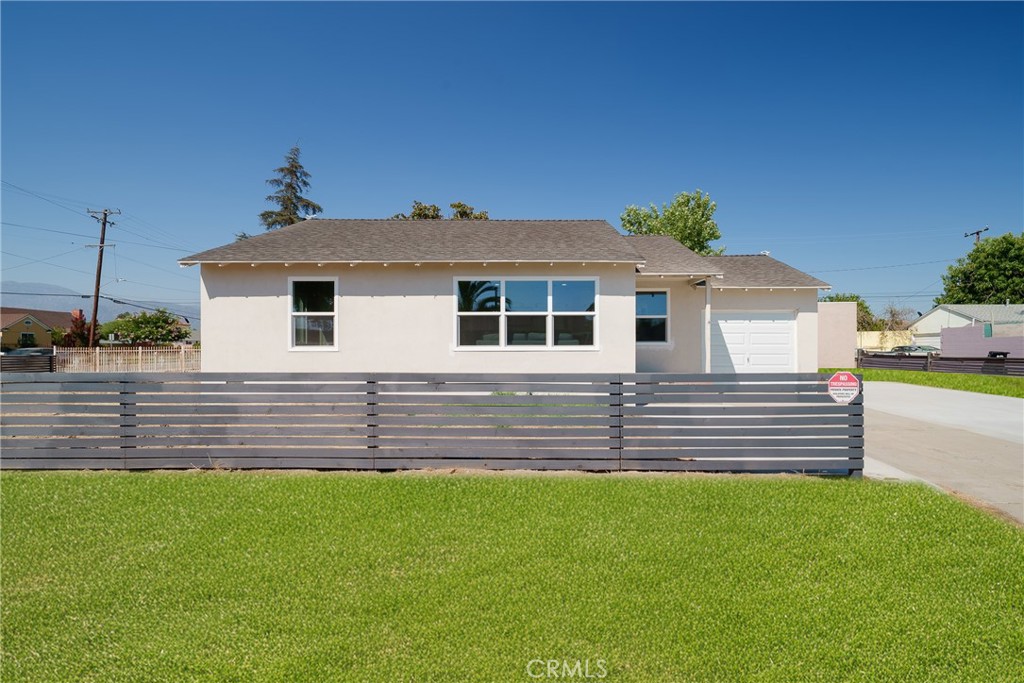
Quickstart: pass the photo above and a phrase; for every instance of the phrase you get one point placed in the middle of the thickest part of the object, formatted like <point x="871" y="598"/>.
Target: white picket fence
<point x="139" y="359"/>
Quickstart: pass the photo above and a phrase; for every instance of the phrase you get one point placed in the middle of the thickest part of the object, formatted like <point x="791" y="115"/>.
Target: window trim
<point x="293" y="313"/>
<point x="549" y="314"/>
<point x="668" y="317"/>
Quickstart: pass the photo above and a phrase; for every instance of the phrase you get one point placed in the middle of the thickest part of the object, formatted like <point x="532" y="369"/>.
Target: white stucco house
<point x="517" y="296"/>
<point x="994" y="319"/>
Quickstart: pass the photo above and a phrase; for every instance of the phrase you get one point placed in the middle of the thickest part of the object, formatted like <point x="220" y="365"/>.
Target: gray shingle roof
<point x="759" y="271"/>
<point x="666" y="256"/>
<point x="407" y="241"/>
<point x="989" y="313"/>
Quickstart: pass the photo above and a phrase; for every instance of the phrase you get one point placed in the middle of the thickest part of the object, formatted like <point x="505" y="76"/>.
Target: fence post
<point x="371" y="421"/>
<point x="129" y="420"/>
<point x="96" y="360"/>
<point x="616" y="395"/>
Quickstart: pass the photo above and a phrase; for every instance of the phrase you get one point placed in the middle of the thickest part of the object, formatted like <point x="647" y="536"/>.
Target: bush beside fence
<point x="752" y="423"/>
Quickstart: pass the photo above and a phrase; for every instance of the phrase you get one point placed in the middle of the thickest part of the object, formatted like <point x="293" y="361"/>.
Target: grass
<point x="362" y="577"/>
<point x="998" y="385"/>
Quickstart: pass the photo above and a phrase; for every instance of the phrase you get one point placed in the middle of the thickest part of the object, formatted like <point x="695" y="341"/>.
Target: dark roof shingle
<point x="759" y="271"/>
<point x="664" y="255"/>
<point x="427" y="241"/>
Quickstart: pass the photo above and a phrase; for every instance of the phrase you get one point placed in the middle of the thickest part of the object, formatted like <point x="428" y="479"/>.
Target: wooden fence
<point x="128" y="359"/>
<point x="935" y="363"/>
<point x="748" y="423"/>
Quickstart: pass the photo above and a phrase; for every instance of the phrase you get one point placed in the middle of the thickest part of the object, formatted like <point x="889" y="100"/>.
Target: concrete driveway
<point x="969" y="443"/>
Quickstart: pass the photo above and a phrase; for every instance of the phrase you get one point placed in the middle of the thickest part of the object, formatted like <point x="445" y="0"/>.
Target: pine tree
<point x="292" y="180"/>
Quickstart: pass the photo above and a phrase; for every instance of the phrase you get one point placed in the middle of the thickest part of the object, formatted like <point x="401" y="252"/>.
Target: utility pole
<point x="977" y="234"/>
<point x="102" y="217"/>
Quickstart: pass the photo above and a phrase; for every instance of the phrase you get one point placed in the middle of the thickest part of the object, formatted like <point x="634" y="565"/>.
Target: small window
<point x="27" y="339"/>
<point x="313" y="313"/>
<point x="652" y="317"/>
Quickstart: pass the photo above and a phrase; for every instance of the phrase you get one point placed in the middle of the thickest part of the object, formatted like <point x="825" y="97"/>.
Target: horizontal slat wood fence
<point x="746" y="423"/>
<point x="934" y="363"/>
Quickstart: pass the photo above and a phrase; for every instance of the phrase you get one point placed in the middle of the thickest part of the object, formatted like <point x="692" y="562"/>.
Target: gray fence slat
<point x="283" y="442"/>
<point x="483" y="443"/>
<point x="601" y="388"/>
<point x="724" y="378"/>
<point x="500" y="454"/>
<point x="486" y="463"/>
<point x="491" y="400"/>
<point x="719" y="453"/>
<point x="714" y="389"/>
<point x="496" y="431"/>
<point x="830" y="408"/>
<point x="835" y="465"/>
<point x="191" y="461"/>
<point x="495" y="410"/>
<point x="14" y="431"/>
<point x="455" y="420"/>
<point x="203" y="410"/>
<point x="248" y="430"/>
<point x="742" y="422"/>
<point x="11" y="462"/>
<point x="685" y="442"/>
<point x="767" y="399"/>
<point x="111" y="441"/>
<point x="728" y="431"/>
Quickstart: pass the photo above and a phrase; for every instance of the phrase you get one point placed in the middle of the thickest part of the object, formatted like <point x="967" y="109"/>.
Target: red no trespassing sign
<point x="843" y="387"/>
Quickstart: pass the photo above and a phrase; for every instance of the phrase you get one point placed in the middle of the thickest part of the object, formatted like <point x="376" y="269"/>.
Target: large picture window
<point x="313" y="313"/>
<point x="652" y="317"/>
<point x="526" y="312"/>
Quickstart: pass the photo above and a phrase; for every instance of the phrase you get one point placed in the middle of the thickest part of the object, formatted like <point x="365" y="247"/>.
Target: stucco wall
<point x="837" y="334"/>
<point x="399" y="318"/>
<point x="804" y="302"/>
<point x="683" y="352"/>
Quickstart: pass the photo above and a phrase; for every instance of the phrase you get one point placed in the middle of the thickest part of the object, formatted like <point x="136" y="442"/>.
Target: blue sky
<point x="844" y="138"/>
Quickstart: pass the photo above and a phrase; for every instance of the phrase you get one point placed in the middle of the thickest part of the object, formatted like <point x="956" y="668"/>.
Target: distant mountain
<point x="49" y="297"/>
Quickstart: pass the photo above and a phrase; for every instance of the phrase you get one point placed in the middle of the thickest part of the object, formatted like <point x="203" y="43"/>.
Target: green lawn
<point x="374" y="577"/>
<point x="982" y="384"/>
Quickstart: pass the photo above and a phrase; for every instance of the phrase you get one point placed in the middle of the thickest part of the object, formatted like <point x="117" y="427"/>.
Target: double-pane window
<point x="524" y="312"/>
<point x="652" y="317"/>
<point x="313" y="313"/>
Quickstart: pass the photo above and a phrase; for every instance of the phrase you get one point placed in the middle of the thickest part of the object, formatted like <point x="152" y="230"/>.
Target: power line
<point x="40" y="260"/>
<point x="39" y="196"/>
<point x="54" y="265"/>
<point x="896" y="265"/>
<point x="79" y="234"/>
<point x="102" y="296"/>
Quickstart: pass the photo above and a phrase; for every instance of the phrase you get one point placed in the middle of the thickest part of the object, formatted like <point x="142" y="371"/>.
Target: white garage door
<point x="749" y="341"/>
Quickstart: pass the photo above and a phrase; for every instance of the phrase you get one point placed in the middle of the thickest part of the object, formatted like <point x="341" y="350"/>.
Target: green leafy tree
<point x="460" y="212"/>
<point x="866" y="320"/>
<point x="157" y="327"/>
<point x="689" y="219"/>
<point x="291" y="181"/>
<point x="992" y="273"/>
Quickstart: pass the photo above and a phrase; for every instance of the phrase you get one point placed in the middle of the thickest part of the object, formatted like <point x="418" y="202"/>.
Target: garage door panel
<point x="753" y="341"/>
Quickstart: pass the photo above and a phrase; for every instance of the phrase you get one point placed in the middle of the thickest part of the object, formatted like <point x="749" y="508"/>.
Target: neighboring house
<point x="555" y="296"/>
<point x="27" y="327"/>
<point x="994" y="319"/>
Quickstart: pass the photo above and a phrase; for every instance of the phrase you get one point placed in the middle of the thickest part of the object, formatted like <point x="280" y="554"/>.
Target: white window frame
<point x="292" y="313"/>
<point x="549" y="314"/>
<point x="667" y="316"/>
